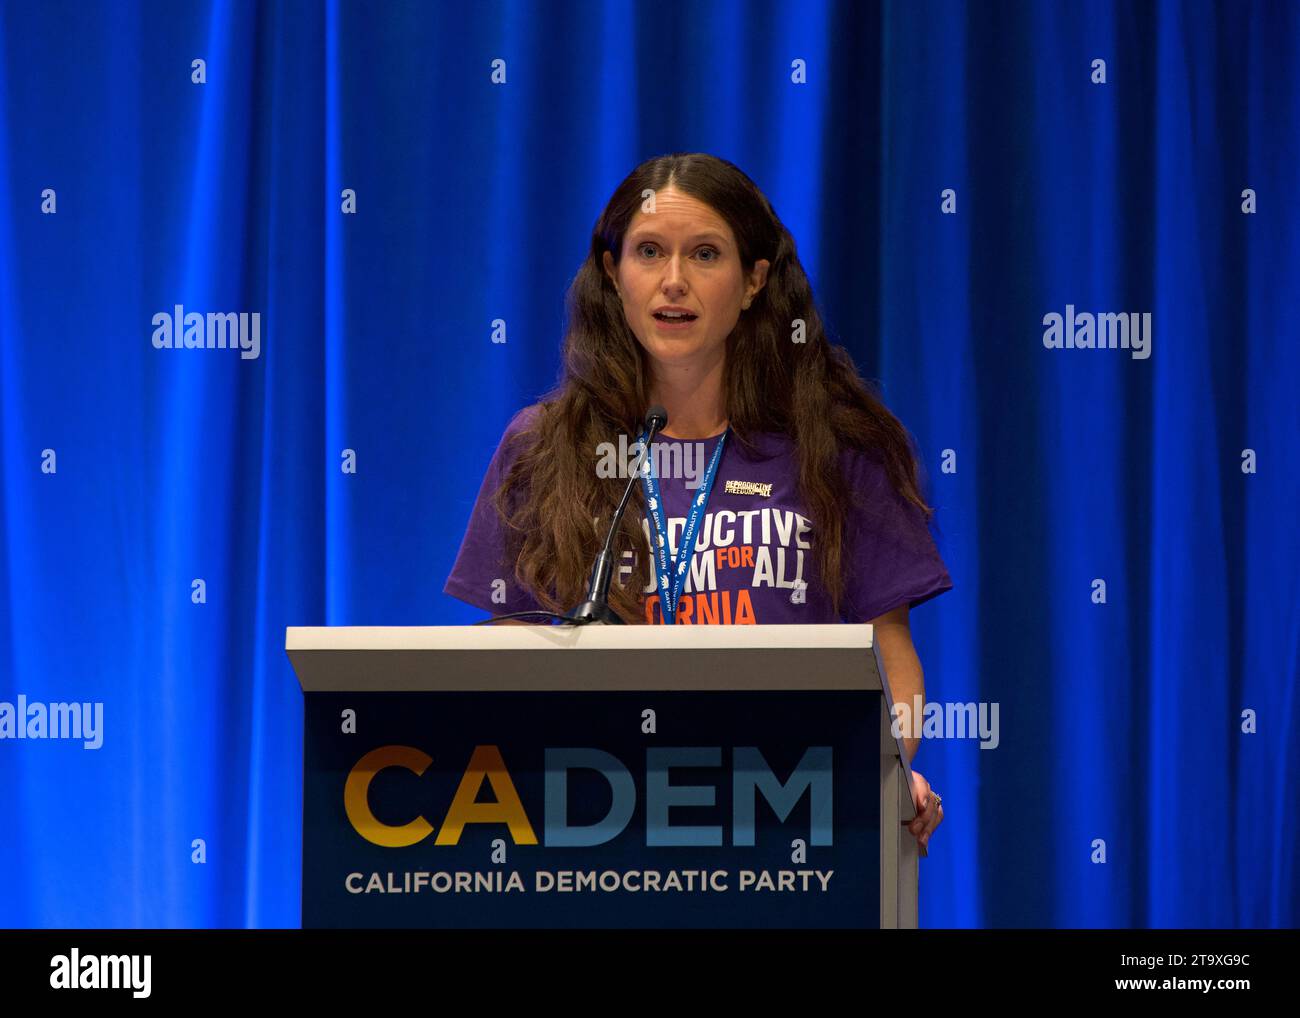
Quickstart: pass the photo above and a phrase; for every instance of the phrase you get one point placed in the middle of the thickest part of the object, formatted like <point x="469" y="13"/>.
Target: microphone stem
<point x="596" y="607"/>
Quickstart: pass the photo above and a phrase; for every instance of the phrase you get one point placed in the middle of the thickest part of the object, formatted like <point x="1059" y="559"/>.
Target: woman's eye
<point x="648" y="250"/>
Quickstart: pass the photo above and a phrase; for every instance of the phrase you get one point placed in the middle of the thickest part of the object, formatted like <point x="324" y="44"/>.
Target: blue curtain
<point x="953" y="174"/>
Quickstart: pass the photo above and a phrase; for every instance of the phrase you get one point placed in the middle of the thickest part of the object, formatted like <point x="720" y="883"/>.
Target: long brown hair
<point x="809" y="390"/>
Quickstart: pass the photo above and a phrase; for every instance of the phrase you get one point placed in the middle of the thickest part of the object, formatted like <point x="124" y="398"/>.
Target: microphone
<point x="596" y="608"/>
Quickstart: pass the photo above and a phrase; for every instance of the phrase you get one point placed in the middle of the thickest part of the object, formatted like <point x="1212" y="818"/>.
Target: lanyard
<point x="676" y="566"/>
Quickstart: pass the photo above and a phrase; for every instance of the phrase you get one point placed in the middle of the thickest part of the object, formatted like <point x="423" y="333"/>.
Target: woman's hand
<point x="929" y="812"/>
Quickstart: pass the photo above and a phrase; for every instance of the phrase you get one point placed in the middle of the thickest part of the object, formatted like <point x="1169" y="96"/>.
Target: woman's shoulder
<point x="511" y="443"/>
<point x="866" y="465"/>
<point x="515" y="439"/>
<point x="524" y="419"/>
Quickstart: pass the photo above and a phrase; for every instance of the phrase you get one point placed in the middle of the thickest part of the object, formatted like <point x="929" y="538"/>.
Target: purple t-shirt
<point x="755" y="559"/>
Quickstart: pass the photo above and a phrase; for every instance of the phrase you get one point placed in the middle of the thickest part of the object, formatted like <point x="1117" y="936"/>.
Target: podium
<point x="601" y="777"/>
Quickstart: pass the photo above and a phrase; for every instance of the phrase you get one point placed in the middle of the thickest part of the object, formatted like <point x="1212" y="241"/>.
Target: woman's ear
<point x="608" y="263"/>
<point x="757" y="277"/>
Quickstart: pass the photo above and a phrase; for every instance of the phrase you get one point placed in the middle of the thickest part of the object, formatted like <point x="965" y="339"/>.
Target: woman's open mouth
<point x="673" y="320"/>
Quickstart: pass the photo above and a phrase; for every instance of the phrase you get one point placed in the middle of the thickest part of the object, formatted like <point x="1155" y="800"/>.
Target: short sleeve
<point x="483" y="573"/>
<point x="892" y="559"/>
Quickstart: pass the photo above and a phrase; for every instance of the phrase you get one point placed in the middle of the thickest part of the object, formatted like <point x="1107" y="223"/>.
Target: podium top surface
<point x="541" y="657"/>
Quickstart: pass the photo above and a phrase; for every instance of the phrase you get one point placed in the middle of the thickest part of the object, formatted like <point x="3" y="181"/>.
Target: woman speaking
<point x="781" y="489"/>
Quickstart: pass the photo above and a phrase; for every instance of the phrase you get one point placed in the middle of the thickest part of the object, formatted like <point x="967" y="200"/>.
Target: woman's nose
<point x="673" y="274"/>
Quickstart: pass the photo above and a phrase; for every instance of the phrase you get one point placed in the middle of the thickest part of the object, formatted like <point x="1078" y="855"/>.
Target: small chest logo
<point x="748" y="488"/>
